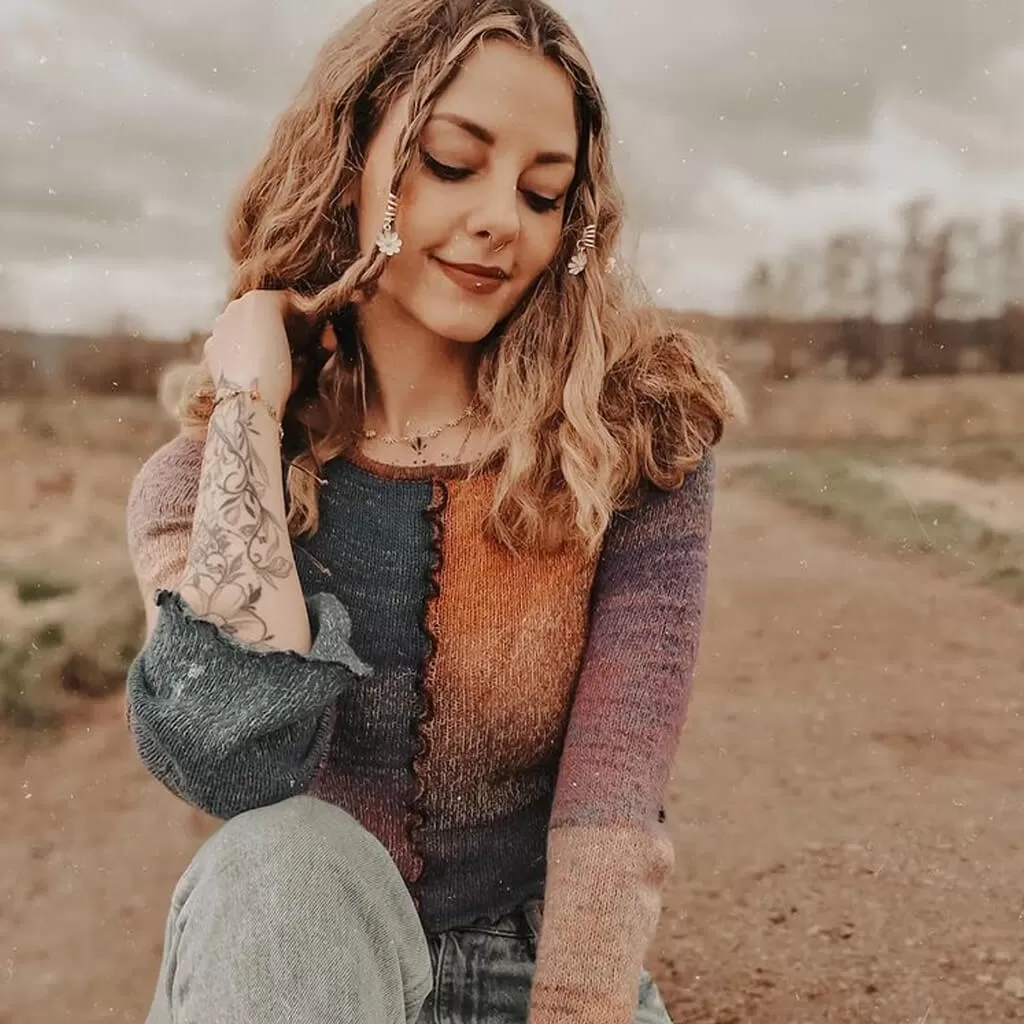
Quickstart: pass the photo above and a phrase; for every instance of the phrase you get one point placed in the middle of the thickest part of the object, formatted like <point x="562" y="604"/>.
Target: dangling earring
<point x="580" y="258"/>
<point x="388" y="241"/>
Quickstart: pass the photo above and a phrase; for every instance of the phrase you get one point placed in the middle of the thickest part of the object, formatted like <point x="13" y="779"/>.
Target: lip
<point x="473" y="277"/>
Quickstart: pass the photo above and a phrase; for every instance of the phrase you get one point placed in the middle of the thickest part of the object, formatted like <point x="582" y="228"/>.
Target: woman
<point x="434" y="672"/>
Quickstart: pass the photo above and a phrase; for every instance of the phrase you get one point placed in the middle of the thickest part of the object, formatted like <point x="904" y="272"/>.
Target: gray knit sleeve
<point x="228" y="727"/>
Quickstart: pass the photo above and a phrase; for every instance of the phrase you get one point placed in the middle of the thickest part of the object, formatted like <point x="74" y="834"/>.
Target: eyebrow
<point x="478" y="131"/>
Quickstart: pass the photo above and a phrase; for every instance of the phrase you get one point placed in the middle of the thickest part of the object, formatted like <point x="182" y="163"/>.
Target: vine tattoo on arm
<point x="238" y="545"/>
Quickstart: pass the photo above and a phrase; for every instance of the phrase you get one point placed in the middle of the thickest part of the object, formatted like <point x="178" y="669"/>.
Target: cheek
<point x="430" y="214"/>
<point x="542" y="242"/>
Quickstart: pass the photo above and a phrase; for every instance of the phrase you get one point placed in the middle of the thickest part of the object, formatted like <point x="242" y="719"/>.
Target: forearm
<point x="240" y="572"/>
<point x="225" y="724"/>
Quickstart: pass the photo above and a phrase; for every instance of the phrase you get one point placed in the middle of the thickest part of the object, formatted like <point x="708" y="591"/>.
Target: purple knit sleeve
<point x="608" y="854"/>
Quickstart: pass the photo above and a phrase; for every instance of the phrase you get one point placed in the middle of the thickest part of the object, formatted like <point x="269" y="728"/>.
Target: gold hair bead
<point x="388" y="241"/>
<point x="580" y="257"/>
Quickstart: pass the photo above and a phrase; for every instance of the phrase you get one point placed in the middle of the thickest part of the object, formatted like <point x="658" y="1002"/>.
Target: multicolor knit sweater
<point x="504" y="725"/>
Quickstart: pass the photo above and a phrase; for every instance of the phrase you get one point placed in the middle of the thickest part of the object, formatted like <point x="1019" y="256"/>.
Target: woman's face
<point x="480" y="214"/>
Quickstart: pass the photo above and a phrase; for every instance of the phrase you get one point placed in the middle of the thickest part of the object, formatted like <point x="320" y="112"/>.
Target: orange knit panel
<point x="511" y="632"/>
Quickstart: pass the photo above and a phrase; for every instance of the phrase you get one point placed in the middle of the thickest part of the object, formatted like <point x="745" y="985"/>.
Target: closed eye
<point x="542" y="204"/>
<point x="445" y="172"/>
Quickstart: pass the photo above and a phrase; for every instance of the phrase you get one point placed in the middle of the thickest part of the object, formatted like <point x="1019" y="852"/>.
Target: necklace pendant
<point x="418" y="445"/>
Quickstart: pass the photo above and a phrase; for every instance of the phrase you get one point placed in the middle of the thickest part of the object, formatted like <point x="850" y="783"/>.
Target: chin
<point x="465" y="323"/>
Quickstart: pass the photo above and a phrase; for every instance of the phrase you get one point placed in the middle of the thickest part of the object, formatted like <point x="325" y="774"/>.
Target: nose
<point x="496" y="218"/>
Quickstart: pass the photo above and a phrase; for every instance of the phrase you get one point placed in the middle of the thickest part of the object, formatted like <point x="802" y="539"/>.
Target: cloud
<point x="153" y="292"/>
<point x="741" y="128"/>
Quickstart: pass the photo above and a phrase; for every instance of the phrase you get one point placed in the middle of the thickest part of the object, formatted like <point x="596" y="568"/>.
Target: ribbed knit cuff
<point x="229" y="727"/>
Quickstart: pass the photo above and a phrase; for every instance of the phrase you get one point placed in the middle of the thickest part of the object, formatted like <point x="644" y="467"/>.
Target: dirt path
<point x="848" y="810"/>
<point x="999" y="505"/>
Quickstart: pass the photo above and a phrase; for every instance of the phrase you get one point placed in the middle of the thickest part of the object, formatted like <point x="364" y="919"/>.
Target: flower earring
<point x="580" y="258"/>
<point x="388" y="241"/>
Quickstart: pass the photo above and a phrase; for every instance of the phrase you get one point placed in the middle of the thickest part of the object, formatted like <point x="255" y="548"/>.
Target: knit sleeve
<point x="608" y="855"/>
<point x="161" y="505"/>
<point x="223" y="725"/>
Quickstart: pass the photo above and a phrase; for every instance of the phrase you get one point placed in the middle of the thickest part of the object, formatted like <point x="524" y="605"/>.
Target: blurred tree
<point x="840" y="275"/>
<point x="914" y="217"/>
<point x="960" y="288"/>
<point x="795" y="285"/>
<point x="1009" y="330"/>
<point x="12" y="312"/>
<point x="1010" y="248"/>
<point x="756" y="295"/>
<point x="925" y="266"/>
<point x="125" y="325"/>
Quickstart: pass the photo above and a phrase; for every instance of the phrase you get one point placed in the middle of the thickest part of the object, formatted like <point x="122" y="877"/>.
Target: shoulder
<point x="166" y="486"/>
<point x="661" y="516"/>
<point x="655" y="553"/>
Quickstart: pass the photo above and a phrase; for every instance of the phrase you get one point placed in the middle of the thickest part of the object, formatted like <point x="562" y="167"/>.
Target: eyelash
<point x="443" y="172"/>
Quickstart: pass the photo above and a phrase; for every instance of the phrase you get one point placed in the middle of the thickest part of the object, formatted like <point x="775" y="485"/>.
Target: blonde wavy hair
<point x="588" y="391"/>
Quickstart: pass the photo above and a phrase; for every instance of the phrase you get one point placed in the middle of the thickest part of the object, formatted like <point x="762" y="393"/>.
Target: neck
<point x="415" y="379"/>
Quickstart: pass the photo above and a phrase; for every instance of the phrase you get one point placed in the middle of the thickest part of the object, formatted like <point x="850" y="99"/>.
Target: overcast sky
<point x="743" y="127"/>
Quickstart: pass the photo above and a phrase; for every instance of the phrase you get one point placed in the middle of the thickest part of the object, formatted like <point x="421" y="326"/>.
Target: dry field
<point x="848" y="802"/>
<point x="69" y="610"/>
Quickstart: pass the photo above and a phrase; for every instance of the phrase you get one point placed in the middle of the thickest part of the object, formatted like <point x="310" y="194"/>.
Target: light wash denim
<point x="296" y="914"/>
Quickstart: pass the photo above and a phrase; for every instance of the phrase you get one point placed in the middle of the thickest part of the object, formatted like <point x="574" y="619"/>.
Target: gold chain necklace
<point x="418" y="441"/>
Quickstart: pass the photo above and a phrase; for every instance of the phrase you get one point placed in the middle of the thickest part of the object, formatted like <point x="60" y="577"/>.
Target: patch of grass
<point x="50" y="635"/>
<point x="34" y="588"/>
<point x="987" y="460"/>
<point x="85" y="655"/>
<point x="23" y="701"/>
<point x="111" y="423"/>
<point x="826" y="485"/>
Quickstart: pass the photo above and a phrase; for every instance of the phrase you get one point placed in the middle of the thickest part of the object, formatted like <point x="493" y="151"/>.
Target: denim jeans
<point x="295" y="914"/>
<point x="482" y="975"/>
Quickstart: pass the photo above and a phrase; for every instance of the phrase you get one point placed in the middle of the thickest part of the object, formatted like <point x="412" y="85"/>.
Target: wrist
<point x="254" y="395"/>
